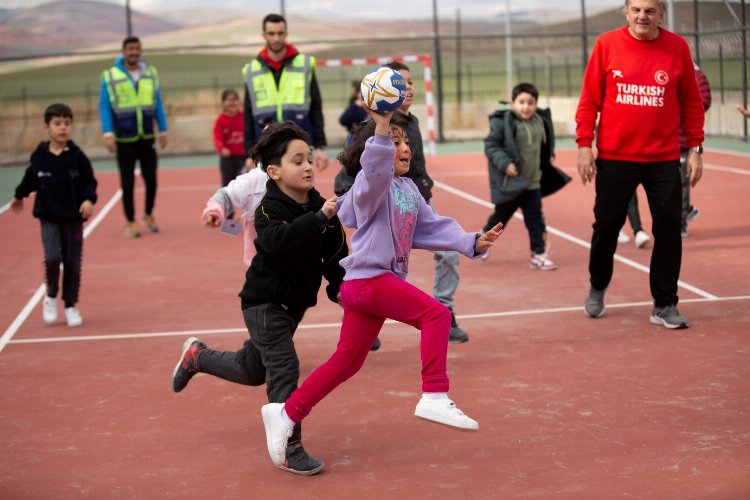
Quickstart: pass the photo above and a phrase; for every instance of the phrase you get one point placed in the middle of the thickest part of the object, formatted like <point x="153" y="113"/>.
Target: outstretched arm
<point x="485" y="241"/>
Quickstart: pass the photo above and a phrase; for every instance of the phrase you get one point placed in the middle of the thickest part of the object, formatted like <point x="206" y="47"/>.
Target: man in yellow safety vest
<point x="280" y="85"/>
<point x="129" y="103"/>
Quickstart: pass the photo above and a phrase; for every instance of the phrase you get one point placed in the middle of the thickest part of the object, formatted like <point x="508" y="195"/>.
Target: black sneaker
<point x="457" y="335"/>
<point x="187" y="366"/>
<point x="298" y="461"/>
<point x="375" y="345"/>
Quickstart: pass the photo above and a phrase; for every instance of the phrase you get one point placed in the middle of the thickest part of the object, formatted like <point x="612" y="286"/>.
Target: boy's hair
<point x="229" y="93"/>
<point x="349" y="157"/>
<point x="397" y="65"/>
<point x="55" y="110"/>
<point x="130" y="39"/>
<point x="274" y="143"/>
<point x="273" y="18"/>
<point x="524" y="87"/>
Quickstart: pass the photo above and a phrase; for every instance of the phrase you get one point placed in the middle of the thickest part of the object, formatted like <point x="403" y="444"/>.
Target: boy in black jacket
<point x="300" y="240"/>
<point x="65" y="186"/>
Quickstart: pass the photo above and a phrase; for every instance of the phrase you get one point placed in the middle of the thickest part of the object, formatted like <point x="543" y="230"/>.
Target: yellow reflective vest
<point x="290" y="100"/>
<point x="134" y="106"/>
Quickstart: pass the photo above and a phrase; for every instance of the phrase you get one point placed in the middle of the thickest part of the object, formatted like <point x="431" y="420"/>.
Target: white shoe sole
<point x="185" y="346"/>
<point x="656" y="320"/>
<point x="439" y="419"/>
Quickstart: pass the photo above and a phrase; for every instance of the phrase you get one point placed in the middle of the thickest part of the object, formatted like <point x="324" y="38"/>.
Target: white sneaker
<point x="277" y="432"/>
<point x="445" y="412"/>
<point x="49" y="310"/>
<point x="542" y="262"/>
<point x="641" y="239"/>
<point x="623" y="237"/>
<point x="73" y="317"/>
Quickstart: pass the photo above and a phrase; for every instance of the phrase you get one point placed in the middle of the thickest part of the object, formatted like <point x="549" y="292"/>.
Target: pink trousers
<point x="367" y="304"/>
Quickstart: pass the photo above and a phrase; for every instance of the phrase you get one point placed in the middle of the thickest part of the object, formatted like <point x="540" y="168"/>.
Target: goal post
<point x="427" y="64"/>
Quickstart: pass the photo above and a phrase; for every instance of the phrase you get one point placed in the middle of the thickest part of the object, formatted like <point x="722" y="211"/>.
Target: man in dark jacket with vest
<point x="129" y="104"/>
<point x="280" y="85"/>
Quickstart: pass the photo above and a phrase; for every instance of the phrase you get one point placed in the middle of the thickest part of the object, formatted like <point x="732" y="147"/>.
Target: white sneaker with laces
<point x="445" y="412"/>
<point x="542" y="262"/>
<point x="623" y="237"/>
<point x="73" y="317"/>
<point x="277" y="432"/>
<point x="49" y="310"/>
<point x="642" y="239"/>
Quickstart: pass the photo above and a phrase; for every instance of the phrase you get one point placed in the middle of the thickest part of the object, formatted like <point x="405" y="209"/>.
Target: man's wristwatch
<point x="696" y="149"/>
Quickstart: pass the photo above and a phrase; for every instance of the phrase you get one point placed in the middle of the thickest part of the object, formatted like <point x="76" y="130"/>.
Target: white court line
<point x="337" y="326"/>
<point x="39" y="293"/>
<point x="573" y="239"/>
<point x="34" y="300"/>
<point x="730" y="170"/>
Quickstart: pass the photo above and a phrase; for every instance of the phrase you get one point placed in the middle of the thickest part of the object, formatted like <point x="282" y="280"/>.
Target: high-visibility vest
<point x="134" y="106"/>
<point x="290" y="100"/>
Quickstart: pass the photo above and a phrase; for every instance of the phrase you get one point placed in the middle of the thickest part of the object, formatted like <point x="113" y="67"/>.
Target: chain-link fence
<point x="470" y="75"/>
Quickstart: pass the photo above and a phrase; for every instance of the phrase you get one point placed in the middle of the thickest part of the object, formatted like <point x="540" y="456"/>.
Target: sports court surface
<point x="569" y="407"/>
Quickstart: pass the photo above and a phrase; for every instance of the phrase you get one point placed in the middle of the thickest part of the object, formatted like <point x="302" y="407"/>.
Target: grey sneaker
<point x="594" y="305"/>
<point x="298" y="461"/>
<point x="668" y="317"/>
<point x="457" y="335"/>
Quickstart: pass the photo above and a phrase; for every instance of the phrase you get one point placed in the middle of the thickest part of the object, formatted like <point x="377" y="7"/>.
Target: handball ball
<point x="383" y="90"/>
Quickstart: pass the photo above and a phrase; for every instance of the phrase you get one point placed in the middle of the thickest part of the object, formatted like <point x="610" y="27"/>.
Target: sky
<point x="413" y="9"/>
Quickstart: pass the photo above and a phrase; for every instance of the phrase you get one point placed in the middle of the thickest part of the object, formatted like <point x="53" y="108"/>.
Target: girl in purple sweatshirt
<point x="390" y="218"/>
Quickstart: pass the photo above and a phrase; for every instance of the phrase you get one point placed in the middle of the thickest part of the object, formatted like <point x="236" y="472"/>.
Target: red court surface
<point x="569" y="407"/>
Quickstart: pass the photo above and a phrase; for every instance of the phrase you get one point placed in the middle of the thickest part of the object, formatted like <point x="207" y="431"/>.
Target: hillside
<point x="69" y="25"/>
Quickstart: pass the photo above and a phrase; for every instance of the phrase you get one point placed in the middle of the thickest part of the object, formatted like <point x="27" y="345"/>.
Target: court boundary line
<point x="337" y="325"/>
<point x="573" y="239"/>
<point x="39" y="293"/>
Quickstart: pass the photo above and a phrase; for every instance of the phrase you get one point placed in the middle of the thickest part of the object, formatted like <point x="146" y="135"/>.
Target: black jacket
<point x="296" y="246"/>
<point x="500" y="149"/>
<point x="61" y="183"/>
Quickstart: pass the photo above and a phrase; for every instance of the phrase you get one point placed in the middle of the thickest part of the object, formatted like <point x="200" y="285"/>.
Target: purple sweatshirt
<point x="391" y="217"/>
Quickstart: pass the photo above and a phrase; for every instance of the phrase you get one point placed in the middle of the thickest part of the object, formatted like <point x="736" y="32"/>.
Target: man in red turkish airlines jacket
<point x="641" y="83"/>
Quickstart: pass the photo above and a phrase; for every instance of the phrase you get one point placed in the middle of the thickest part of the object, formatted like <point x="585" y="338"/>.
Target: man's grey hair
<point x="662" y="5"/>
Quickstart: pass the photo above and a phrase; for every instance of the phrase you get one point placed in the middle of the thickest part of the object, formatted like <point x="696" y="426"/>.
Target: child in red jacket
<point x="229" y="137"/>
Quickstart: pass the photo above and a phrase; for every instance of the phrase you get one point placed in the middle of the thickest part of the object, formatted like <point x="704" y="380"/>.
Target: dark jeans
<point x="63" y="244"/>
<point x="230" y="168"/>
<point x="530" y="203"/>
<point x="267" y="357"/>
<point x="144" y="151"/>
<point x="271" y="328"/>
<point x="616" y="182"/>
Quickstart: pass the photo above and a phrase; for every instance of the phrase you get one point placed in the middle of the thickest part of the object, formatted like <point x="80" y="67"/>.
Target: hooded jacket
<point x="501" y="149"/>
<point x="296" y="246"/>
<point x="62" y="183"/>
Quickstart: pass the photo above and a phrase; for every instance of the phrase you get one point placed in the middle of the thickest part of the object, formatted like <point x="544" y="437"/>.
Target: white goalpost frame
<point x="423" y="58"/>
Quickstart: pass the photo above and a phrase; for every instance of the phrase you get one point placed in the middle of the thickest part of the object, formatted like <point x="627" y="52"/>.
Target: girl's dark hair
<point x="274" y="143"/>
<point x="229" y="92"/>
<point x="349" y="157"/>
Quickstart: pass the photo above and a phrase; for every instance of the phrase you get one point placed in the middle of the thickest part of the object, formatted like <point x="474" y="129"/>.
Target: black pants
<point x="616" y="182"/>
<point x="63" y="244"/>
<point x="634" y="216"/>
<point x="143" y="151"/>
<point x="267" y="357"/>
<point x="530" y="203"/>
<point x="230" y="168"/>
